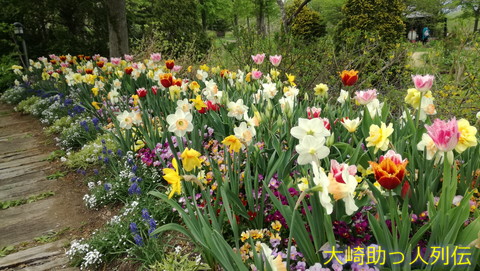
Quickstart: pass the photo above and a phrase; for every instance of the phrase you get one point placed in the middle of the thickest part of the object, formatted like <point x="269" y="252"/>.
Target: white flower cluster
<point x="90" y="200"/>
<point x="76" y="248"/>
<point x="91" y="258"/>
<point x="128" y="209"/>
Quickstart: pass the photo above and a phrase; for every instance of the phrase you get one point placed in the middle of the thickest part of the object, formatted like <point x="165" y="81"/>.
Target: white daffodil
<point x="351" y="125"/>
<point x="237" y="109"/>
<point x="344" y="191"/>
<point x="269" y="90"/>
<point x="427" y="144"/>
<point x="126" y="120"/>
<point x="322" y="183"/>
<point x="313" y="127"/>
<point x="202" y="75"/>
<point x="291" y="92"/>
<point x="310" y="149"/>
<point x="342" y="97"/>
<point x="351" y="185"/>
<point x="180" y="123"/>
<point x="427" y="108"/>
<point x="113" y="96"/>
<point x="184" y="105"/>
<point x="286" y="103"/>
<point x="374" y="108"/>
<point x="245" y="133"/>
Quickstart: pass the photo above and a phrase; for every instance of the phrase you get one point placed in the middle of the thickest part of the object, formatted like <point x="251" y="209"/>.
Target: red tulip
<point x="349" y="78"/>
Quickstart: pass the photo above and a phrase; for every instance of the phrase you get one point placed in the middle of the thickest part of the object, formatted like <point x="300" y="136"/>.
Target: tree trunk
<point x="117" y="28"/>
<point x="261" y="28"/>
<point x="203" y="14"/>
<point x="477" y="16"/>
<point x="281" y="6"/>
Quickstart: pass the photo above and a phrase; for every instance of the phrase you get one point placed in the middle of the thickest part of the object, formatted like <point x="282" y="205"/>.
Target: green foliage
<point x="178" y="28"/>
<point x="14" y="95"/>
<point x="56" y="175"/>
<point x="179" y="262"/>
<point x="59" y="125"/>
<point x="12" y="203"/>
<point x="308" y="24"/>
<point x="88" y="154"/>
<point x="57" y="26"/>
<point x="25" y="106"/>
<point x="6" y="75"/>
<point x="382" y="18"/>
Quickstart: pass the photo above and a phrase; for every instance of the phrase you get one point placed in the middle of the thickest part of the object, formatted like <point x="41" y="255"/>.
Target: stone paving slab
<point x="45" y="257"/>
<point x="25" y="222"/>
<point x="23" y="171"/>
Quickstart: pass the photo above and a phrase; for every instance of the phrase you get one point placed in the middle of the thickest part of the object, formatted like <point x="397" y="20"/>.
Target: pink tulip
<point x="115" y="60"/>
<point x="256" y="74"/>
<point x="258" y="59"/>
<point x="128" y="57"/>
<point x="395" y="157"/>
<point x="365" y="96"/>
<point x="156" y="57"/>
<point x="444" y="134"/>
<point x="336" y="169"/>
<point x="275" y="60"/>
<point x="96" y="57"/>
<point x="423" y="83"/>
<point x="176" y="68"/>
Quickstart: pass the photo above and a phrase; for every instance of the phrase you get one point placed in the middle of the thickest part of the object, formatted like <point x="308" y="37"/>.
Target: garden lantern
<point x="18" y="30"/>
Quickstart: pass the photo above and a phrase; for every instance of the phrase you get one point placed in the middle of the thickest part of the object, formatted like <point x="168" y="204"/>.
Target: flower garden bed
<point x="255" y="173"/>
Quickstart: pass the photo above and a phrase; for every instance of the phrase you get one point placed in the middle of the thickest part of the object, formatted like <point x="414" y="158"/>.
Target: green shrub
<point x="308" y="24"/>
<point x="381" y="18"/>
<point x="26" y="105"/>
<point x="88" y="154"/>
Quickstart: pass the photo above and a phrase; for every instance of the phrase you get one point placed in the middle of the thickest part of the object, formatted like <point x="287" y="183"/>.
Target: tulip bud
<point x="330" y="140"/>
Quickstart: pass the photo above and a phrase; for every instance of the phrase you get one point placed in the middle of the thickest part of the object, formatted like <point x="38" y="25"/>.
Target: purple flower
<point x="138" y="240"/>
<point x="133" y="227"/>
<point x="134" y="189"/>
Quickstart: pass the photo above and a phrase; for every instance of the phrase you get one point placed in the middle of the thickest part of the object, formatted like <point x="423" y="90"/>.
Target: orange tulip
<point x="391" y="170"/>
<point x="166" y="79"/>
<point x="349" y="78"/>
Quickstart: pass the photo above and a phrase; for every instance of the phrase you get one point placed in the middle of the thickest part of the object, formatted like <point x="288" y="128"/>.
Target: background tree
<point x="117" y="28"/>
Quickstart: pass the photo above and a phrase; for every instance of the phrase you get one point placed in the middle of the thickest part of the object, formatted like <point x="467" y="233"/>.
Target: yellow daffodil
<point x="198" y="103"/>
<point x="413" y="97"/>
<point x="173" y="178"/>
<point x="274" y="73"/>
<point x="321" y="90"/>
<point x="194" y="86"/>
<point x="467" y="135"/>
<point x="95" y="91"/>
<point x="175" y="92"/>
<point x="379" y="136"/>
<point x="233" y="143"/>
<point x="291" y="79"/>
<point x="190" y="159"/>
<point x="96" y="105"/>
<point x="138" y="145"/>
<point x="135" y="99"/>
<point x="204" y="67"/>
